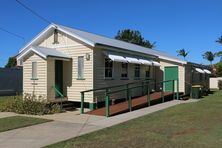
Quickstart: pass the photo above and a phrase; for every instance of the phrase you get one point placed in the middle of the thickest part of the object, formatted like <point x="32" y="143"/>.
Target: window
<point x="147" y="72"/>
<point x="137" y="71"/>
<point x="55" y="37"/>
<point x="34" y="70"/>
<point x="108" y="68"/>
<point x="201" y="77"/>
<point x="124" y="70"/>
<point x="80" y="67"/>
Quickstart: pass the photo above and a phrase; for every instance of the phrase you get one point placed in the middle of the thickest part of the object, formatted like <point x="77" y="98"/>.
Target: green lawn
<point x="14" y="122"/>
<point x="193" y="125"/>
<point x="5" y="98"/>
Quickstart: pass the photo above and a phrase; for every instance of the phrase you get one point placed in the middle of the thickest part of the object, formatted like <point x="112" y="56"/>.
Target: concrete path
<point x="69" y="125"/>
<point x="7" y="114"/>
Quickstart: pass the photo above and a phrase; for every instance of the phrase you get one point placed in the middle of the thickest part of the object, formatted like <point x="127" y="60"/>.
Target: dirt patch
<point x="184" y="132"/>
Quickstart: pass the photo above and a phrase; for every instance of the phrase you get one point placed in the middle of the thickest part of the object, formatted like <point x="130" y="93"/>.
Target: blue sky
<point x="173" y="24"/>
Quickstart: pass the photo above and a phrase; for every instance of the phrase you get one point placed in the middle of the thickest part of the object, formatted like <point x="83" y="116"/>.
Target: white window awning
<point x="117" y="58"/>
<point x="145" y="62"/>
<point x="199" y="70"/>
<point x="155" y="63"/>
<point x="133" y="60"/>
<point x="207" y="71"/>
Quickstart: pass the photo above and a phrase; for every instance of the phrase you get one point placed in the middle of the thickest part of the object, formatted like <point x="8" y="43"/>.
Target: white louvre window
<point x="124" y="70"/>
<point x="108" y="68"/>
<point x="80" y="67"/>
<point x="137" y="71"/>
<point x="34" y="70"/>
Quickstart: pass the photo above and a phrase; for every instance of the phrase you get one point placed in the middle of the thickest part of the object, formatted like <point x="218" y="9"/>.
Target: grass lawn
<point x="5" y="98"/>
<point x="193" y="125"/>
<point x="14" y="122"/>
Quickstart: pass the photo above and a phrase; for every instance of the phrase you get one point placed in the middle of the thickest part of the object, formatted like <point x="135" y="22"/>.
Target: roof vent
<point x="56" y="37"/>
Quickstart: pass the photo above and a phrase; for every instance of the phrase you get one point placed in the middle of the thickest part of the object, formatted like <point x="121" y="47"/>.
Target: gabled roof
<point x="44" y="53"/>
<point x="95" y="40"/>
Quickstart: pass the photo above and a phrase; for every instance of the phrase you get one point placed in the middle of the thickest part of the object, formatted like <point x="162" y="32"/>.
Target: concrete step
<point x="68" y="106"/>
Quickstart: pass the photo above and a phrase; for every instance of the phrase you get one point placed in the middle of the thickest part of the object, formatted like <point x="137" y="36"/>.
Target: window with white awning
<point x="156" y="63"/>
<point x="145" y="62"/>
<point x="199" y="70"/>
<point x="117" y="58"/>
<point x="133" y="60"/>
<point x="207" y="71"/>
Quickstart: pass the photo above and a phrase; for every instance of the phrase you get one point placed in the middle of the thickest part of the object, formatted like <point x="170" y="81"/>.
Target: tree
<point x="11" y="62"/>
<point x="219" y="54"/>
<point x="219" y="40"/>
<point x="183" y="53"/>
<point x="135" y="37"/>
<point x="209" y="56"/>
<point x="218" y="67"/>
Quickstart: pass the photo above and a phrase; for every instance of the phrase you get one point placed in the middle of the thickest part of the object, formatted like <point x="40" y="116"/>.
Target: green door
<point x="59" y="77"/>
<point x="170" y="73"/>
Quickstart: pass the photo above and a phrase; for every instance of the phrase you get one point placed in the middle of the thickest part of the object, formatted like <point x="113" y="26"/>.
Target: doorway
<point x="170" y="73"/>
<point x="58" y="77"/>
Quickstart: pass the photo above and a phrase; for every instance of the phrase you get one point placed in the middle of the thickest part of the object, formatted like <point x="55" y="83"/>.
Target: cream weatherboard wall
<point x="181" y="72"/>
<point x="72" y="86"/>
<point x="39" y="86"/>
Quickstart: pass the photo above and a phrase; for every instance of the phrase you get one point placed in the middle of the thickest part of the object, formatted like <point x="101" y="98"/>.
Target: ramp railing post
<point x="127" y="91"/>
<point x="162" y="92"/>
<point x="130" y="101"/>
<point x="148" y="94"/>
<point x="173" y="89"/>
<point x="142" y="88"/>
<point x="177" y="89"/>
<point x="82" y="103"/>
<point x="107" y="103"/>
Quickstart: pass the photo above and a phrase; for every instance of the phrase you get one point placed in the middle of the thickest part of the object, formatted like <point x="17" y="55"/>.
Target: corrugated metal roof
<point x="98" y="39"/>
<point x="50" y="52"/>
<point x="43" y="52"/>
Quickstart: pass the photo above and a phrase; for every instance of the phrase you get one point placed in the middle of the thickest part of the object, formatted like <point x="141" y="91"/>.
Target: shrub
<point x="220" y="84"/>
<point x="29" y="105"/>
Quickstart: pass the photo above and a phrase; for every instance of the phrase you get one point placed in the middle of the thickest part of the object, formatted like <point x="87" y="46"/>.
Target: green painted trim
<point x="82" y="103"/>
<point x="107" y="105"/>
<point x="34" y="79"/>
<point x="92" y="106"/>
<point x="80" y="79"/>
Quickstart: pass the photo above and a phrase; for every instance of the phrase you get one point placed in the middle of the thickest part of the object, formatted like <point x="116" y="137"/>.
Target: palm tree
<point x="219" y="54"/>
<point x="219" y="40"/>
<point x="209" y="56"/>
<point x="183" y="53"/>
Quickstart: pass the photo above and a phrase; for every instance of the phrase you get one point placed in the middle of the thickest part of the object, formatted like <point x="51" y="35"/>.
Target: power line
<point x="14" y="34"/>
<point x="33" y="12"/>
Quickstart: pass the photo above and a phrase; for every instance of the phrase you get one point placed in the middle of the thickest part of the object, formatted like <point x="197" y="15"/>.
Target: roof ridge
<point x="104" y="36"/>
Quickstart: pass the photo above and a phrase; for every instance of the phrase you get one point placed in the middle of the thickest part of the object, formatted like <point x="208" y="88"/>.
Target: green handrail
<point x="61" y="95"/>
<point x="129" y="97"/>
<point x="116" y="91"/>
<point x="109" y="87"/>
<point x="128" y="89"/>
<point x="106" y="89"/>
